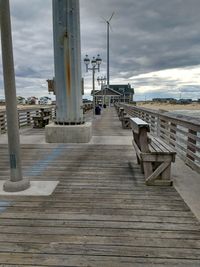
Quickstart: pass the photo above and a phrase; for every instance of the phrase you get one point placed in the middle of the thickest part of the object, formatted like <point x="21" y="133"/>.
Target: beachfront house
<point x="115" y="93"/>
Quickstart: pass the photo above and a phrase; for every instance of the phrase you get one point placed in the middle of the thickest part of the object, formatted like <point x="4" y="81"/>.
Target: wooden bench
<point x="153" y="154"/>
<point x="125" y="120"/>
<point x="117" y="106"/>
<point x="120" y="111"/>
<point x="123" y="117"/>
<point x="41" y="120"/>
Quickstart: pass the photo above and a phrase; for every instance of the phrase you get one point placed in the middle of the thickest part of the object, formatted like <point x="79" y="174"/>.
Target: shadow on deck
<point x="101" y="213"/>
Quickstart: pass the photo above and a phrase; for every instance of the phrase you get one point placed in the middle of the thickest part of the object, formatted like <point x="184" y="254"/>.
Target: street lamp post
<point x="102" y="81"/>
<point x="95" y="62"/>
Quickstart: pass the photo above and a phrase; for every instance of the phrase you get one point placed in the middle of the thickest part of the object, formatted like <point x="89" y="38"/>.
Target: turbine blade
<point x="104" y="19"/>
<point x="111" y="16"/>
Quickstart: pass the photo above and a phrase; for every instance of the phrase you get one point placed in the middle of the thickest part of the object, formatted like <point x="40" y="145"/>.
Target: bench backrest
<point x="137" y="124"/>
<point x="140" y="129"/>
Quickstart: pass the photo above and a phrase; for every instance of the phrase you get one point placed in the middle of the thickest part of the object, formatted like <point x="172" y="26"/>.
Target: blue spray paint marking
<point x="42" y="165"/>
<point x="2" y="209"/>
<point x="37" y="169"/>
<point x="4" y="205"/>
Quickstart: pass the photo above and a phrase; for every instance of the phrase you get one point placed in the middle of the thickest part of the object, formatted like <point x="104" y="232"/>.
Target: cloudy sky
<point x="154" y="45"/>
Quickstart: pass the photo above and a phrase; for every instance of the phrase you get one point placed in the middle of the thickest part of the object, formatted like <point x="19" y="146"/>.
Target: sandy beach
<point x="21" y="107"/>
<point x="169" y="107"/>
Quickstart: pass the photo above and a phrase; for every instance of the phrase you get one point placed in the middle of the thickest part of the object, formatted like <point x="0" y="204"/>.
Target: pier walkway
<point x="101" y="213"/>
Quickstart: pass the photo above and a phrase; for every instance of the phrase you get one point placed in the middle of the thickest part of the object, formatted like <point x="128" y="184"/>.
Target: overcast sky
<point x="154" y="45"/>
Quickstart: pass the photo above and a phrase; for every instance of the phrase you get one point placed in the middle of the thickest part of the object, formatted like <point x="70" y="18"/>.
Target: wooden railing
<point x="25" y="116"/>
<point x="179" y="131"/>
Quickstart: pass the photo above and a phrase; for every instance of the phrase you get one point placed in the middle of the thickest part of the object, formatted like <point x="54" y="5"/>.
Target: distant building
<point x="164" y="100"/>
<point x="85" y="100"/>
<point x="45" y="100"/>
<point x="173" y="100"/>
<point x="21" y="100"/>
<point x="115" y="93"/>
<point x="125" y="90"/>
<point x="2" y="100"/>
<point x="32" y="100"/>
<point x="184" y="101"/>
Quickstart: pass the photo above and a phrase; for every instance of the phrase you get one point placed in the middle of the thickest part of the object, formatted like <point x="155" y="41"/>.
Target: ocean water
<point x="191" y="113"/>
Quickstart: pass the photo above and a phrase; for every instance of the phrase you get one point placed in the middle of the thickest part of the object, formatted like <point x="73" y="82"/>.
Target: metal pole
<point x="93" y="88"/>
<point x="16" y="182"/>
<point x="102" y="95"/>
<point x="108" y="55"/>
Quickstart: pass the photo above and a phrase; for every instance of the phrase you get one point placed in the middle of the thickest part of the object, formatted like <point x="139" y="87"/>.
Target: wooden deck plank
<point x="93" y="249"/>
<point x="70" y="260"/>
<point x="101" y="213"/>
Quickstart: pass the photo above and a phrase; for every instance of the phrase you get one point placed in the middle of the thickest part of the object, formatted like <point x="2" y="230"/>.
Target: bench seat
<point x="40" y="121"/>
<point x="154" y="155"/>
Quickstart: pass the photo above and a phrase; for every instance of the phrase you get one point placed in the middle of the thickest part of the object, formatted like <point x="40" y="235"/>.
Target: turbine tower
<point x="108" y="49"/>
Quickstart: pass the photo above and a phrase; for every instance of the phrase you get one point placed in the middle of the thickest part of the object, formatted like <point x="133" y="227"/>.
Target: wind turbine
<point x="108" y="47"/>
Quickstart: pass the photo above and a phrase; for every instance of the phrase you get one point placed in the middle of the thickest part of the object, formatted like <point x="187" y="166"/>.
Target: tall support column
<point x="69" y="125"/>
<point x="67" y="60"/>
<point x="16" y="182"/>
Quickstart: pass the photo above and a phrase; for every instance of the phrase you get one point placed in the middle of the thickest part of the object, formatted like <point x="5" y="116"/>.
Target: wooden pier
<point x="100" y="215"/>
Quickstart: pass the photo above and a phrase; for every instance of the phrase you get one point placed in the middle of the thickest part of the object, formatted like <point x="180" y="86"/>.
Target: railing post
<point x="191" y="143"/>
<point x="173" y="131"/>
<point x="18" y="116"/>
<point x="158" y="125"/>
<point x="28" y="118"/>
<point x="160" y="112"/>
<point x="2" y="122"/>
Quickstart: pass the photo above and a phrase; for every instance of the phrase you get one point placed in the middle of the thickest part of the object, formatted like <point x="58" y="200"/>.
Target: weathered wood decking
<point x="101" y="213"/>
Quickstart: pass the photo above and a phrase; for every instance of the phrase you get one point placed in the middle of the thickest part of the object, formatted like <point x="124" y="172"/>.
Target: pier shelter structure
<point x="126" y="91"/>
<point x="115" y="93"/>
<point x="107" y="96"/>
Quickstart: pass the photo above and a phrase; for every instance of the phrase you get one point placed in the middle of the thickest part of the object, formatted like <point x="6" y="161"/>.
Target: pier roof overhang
<point x="107" y="92"/>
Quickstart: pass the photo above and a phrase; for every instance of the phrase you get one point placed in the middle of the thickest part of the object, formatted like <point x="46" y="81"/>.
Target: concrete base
<point x="68" y="133"/>
<point x="22" y="185"/>
<point x="37" y="188"/>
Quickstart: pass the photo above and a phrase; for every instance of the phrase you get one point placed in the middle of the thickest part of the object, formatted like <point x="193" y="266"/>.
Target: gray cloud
<point x="146" y="36"/>
<point x="190" y="89"/>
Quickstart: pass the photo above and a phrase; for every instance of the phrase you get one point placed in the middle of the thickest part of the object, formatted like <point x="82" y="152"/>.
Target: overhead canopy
<point x="107" y="92"/>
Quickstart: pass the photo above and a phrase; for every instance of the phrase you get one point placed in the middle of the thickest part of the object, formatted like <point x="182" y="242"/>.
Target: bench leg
<point x="136" y="140"/>
<point x="166" y="174"/>
<point x="126" y="123"/>
<point x="164" y="171"/>
<point x="148" y="169"/>
<point x="138" y="160"/>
